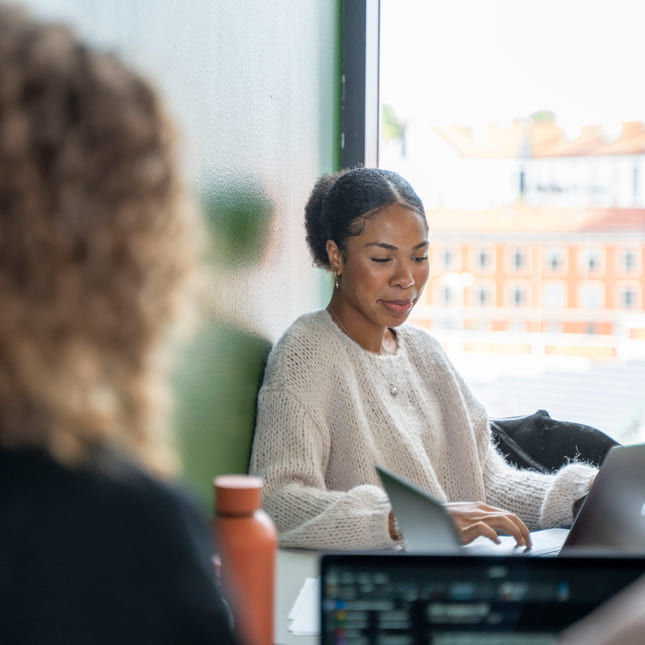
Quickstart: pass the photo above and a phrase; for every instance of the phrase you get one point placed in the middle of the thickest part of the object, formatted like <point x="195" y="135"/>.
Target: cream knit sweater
<point x="326" y="416"/>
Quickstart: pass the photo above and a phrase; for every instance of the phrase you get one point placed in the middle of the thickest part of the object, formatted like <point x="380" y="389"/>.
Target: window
<point x="628" y="261"/>
<point x="483" y="260"/>
<point x="545" y="188"/>
<point x="636" y="183"/>
<point x="517" y="260"/>
<point x="591" y="261"/>
<point x="628" y="296"/>
<point x="554" y="260"/>
<point x="447" y="295"/>
<point x="448" y="259"/>
<point x="591" y="295"/>
<point x="517" y="295"/>
<point x="554" y="295"/>
<point x="483" y="295"/>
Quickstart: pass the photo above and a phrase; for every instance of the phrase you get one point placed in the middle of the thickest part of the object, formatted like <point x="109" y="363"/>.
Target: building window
<point x="636" y="183"/>
<point x="591" y="261"/>
<point x="555" y="260"/>
<point x="628" y="297"/>
<point x="591" y="295"/>
<point x="483" y="260"/>
<point x="554" y="295"/>
<point x="628" y="261"/>
<point x="448" y="259"/>
<point x="517" y="260"/>
<point x="482" y="295"/>
<point x="517" y="296"/>
<point x="447" y="296"/>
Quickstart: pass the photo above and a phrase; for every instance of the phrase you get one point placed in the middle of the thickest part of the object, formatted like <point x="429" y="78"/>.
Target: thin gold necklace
<point x="394" y="390"/>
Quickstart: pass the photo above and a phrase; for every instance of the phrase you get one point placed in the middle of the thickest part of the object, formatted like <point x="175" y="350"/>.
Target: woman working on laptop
<point x="351" y="386"/>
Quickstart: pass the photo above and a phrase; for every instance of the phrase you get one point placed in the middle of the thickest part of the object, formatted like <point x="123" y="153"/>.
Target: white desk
<point x="292" y="567"/>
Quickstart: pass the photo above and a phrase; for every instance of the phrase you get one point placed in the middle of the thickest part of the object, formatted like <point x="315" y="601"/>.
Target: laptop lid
<point x="613" y="514"/>
<point x="424" y="522"/>
<point x="459" y="599"/>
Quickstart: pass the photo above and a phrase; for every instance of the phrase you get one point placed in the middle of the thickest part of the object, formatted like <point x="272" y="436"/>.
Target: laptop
<point x="462" y="599"/>
<point x="612" y="516"/>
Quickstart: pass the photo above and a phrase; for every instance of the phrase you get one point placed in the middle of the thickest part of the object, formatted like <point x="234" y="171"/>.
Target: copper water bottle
<point x="247" y="542"/>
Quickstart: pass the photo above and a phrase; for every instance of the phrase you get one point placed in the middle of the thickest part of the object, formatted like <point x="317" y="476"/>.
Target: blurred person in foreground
<point x="97" y="241"/>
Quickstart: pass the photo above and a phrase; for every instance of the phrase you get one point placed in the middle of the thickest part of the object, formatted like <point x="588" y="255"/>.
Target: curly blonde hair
<point x="96" y="238"/>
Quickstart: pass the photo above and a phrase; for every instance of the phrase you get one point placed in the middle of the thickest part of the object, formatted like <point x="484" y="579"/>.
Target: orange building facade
<point x="548" y="273"/>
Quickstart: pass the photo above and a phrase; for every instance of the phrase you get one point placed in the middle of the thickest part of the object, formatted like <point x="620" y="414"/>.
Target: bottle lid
<point x="238" y="494"/>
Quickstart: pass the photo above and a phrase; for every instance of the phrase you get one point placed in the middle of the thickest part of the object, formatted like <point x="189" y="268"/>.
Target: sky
<point x="473" y="62"/>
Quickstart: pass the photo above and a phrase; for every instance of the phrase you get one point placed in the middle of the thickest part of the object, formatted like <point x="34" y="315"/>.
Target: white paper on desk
<point x="305" y="613"/>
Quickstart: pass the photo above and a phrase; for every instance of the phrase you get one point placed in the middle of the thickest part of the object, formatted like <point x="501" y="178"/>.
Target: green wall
<point x="255" y="88"/>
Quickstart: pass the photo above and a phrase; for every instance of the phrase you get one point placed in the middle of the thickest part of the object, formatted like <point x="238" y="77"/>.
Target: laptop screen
<point x="395" y="599"/>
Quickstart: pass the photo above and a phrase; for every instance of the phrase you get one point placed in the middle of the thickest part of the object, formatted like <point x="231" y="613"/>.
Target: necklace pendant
<point x="394" y="390"/>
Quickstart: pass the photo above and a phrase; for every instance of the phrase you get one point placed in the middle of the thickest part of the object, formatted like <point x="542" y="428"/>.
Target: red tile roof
<point x="616" y="219"/>
<point x="543" y="139"/>
<point x="522" y="218"/>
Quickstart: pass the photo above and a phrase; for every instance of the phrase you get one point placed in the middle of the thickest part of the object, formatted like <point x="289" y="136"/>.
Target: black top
<point x="102" y="554"/>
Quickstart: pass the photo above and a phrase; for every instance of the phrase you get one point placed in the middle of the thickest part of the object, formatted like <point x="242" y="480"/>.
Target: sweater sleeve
<point x="540" y="500"/>
<point x="290" y="453"/>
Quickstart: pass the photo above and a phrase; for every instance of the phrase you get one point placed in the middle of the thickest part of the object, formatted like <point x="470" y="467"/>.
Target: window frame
<point x="477" y="252"/>
<point x="628" y="286"/>
<point x="552" y="287"/>
<point x="588" y="252"/>
<point x="621" y="267"/>
<point x="561" y="253"/>
<point x="521" y="287"/>
<point x="360" y="103"/>
<point x="587" y="287"/>
<point x="512" y="254"/>
<point x="483" y="286"/>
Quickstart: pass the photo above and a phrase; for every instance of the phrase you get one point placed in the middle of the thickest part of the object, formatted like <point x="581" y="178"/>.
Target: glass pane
<point x="522" y="127"/>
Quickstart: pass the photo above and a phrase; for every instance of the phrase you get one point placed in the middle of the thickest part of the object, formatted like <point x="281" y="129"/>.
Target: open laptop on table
<point x="611" y="518"/>
<point x="462" y="599"/>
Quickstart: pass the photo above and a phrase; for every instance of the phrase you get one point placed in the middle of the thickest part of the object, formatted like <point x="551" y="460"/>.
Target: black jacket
<point x="102" y="554"/>
<point x="538" y="442"/>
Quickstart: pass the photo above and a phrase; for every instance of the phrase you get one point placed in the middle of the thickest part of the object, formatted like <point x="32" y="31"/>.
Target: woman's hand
<point x="476" y="518"/>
